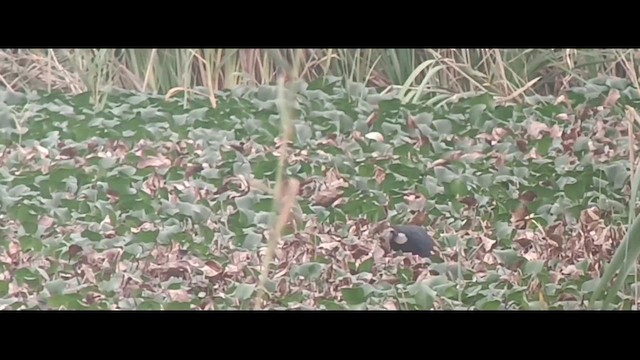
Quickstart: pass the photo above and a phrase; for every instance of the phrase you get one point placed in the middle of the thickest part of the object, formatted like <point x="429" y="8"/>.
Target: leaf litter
<point x="105" y="232"/>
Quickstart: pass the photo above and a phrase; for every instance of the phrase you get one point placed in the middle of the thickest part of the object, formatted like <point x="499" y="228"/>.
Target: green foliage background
<point x="113" y="196"/>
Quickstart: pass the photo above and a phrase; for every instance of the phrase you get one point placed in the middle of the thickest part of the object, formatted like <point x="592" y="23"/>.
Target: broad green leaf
<point x="354" y="295"/>
<point x="244" y="291"/>
<point x="423" y="294"/>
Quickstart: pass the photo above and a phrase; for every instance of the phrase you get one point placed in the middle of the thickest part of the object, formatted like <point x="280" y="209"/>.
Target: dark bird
<point x="410" y="239"/>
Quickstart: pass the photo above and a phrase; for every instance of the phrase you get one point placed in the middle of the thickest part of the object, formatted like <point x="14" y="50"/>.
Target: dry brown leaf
<point x="612" y="98"/>
<point x="533" y="154"/>
<point x="379" y="251"/>
<point x="380" y="175"/>
<point x="519" y="217"/>
<point x="440" y="162"/>
<point x="179" y="295"/>
<point x="571" y="270"/>
<point x="327" y="197"/>
<point x="473" y="156"/>
<point x="489" y="259"/>
<point x="415" y="201"/>
<point x="501" y="160"/>
<point x="113" y="255"/>
<point x="372" y="118"/>
<point x="236" y="186"/>
<point x="390" y="305"/>
<point x="68" y="152"/>
<point x="94" y="297"/>
<point x="154" y="161"/>
<point x="329" y="245"/>
<point x="419" y="218"/>
<point x="193" y="169"/>
<point x="411" y="123"/>
<point x="487" y="243"/>
<point x="556" y="132"/>
<point x="527" y="197"/>
<point x="499" y="134"/>
<point x="283" y="287"/>
<point x="87" y="274"/>
<point x="113" y="196"/>
<point x="282" y="149"/>
<point x="146" y="226"/>
<point x="74" y="250"/>
<point x="374" y="135"/>
<point x="358" y="251"/>
<point x="531" y="255"/>
<point x="536" y="128"/>
<point x="470" y="201"/>
<point x="14" y="251"/>
<point x="46" y="221"/>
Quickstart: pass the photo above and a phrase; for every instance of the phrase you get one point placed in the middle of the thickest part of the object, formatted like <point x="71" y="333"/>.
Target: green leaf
<point x="56" y="287"/>
<point x="178" y="306"/>
<point x="149" y="305"/>
<point x="618" y="174"/>
<point x="534" y="267"/>
<point x="244" y="291"/>
<point x="112" y="284"/>
<point x="509" y="257"/>
<point x="309" y="271"/>
<point x="458" y="187"/>
<point x="4" y="287"/>
<point x="504" y="230"/>
<point x="331" y="305"/>
<point x="354" y="295"/>
<point x="67" y="301"/>
<point x="423" y="294"/>
<point x="443" y="126"/>
<point x="147" y="236"/>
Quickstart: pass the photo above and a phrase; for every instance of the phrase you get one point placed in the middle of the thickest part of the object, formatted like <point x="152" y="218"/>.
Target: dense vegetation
<point x="447" y="72"/>
<point x="122" y="199"/>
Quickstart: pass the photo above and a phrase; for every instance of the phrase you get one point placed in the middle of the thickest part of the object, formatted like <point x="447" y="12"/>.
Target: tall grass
<point x="499" y="71"/>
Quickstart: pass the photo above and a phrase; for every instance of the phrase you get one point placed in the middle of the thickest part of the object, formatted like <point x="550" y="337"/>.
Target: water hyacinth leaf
<point x="164" y="199"/>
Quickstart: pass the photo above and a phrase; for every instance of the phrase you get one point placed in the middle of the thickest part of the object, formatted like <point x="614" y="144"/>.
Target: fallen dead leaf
<point x="94" y="297"/>
<point x="440" y="162"/>
<point x="87" y="274"/>
<point x="419" y="218"/>
<point x="154" y="161"/>
<point x="374" y="135"/>
<point x="527" y="197"/>
<point x="380" y="175"/>
<point x="14" y="252"/>
<point x="415" y="201"/>
<point x="372" y="118"/>
<point x="179" y="295"/>
<point x="499" y="134"/>
<point x="500" y="161"/>
<point x="612" y="98"/>
<point x="536" y="128"/>
<point x="470" y="201"/>
<point x="327" y="198"/>
<point x="473" y="156"/>
<point x="556" y="132"/>
<point x="390" y="305"/>
<point x="74" y="250"/>
<point x="46" y="221"/>
<point x="487" y="243"/>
